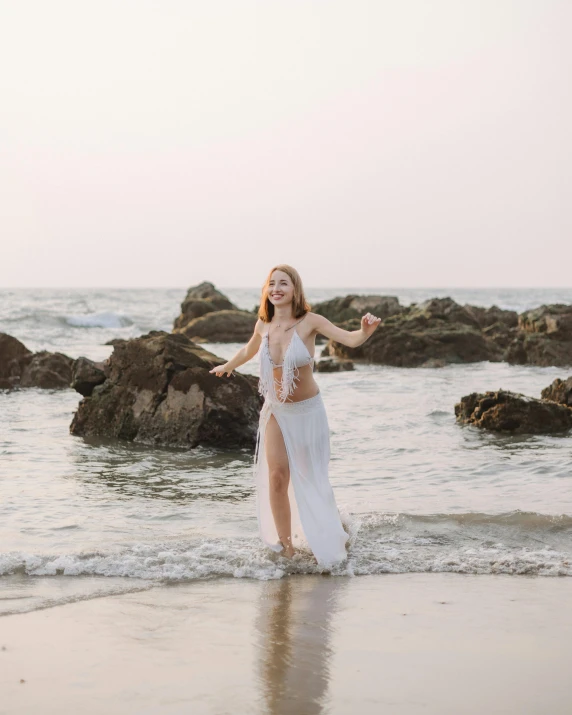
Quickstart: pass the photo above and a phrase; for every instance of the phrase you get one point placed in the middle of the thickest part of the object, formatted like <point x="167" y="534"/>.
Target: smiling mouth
<point x="275" y="295"/>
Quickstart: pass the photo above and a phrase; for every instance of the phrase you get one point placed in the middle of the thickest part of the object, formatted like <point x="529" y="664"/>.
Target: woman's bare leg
<point x="279" y="474"/>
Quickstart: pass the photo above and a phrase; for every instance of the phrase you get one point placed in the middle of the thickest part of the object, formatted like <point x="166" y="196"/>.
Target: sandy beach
<point x="404" y="643"/>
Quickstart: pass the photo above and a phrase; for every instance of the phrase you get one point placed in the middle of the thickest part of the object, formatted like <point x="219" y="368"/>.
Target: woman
<point x="295" y="501"/>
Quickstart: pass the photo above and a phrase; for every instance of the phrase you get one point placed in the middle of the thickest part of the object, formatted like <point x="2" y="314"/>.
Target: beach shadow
<point x="294" y="626"/>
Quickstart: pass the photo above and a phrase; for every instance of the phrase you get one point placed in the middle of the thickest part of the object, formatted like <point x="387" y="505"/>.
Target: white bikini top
<point x="296" y="356"/>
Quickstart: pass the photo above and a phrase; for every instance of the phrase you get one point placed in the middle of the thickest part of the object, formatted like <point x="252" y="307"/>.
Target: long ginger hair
<point x="299" y="304"/>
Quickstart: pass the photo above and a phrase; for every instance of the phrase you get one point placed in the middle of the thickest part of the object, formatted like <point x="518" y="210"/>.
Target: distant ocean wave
<point x="98" y="320"/>
<point x="106" y="319"/>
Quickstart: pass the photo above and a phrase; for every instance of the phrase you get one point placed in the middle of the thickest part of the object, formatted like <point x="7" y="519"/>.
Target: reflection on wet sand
<point x="294" y="627"/>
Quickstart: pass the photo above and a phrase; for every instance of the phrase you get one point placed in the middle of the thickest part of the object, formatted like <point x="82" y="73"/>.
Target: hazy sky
<point x="383" y="143"/>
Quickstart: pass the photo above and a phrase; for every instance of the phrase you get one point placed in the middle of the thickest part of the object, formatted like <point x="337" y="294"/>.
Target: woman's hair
<point x="299" y="305"/>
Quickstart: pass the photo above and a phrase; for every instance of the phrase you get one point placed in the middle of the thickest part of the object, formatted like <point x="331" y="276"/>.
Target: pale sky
<point x="376" y="143"/>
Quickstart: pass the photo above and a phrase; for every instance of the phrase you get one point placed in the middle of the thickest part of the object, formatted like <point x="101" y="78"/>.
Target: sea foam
<point x="247" y="558"/>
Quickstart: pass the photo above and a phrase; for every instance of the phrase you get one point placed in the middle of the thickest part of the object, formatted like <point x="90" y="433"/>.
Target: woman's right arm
<point x="244" y="354"/>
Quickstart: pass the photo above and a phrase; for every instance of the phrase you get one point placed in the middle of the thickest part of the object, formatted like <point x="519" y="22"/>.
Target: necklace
<point x="278" y="325"/>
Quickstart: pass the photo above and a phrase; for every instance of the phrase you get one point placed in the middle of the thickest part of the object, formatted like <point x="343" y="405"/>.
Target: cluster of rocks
<point x="154" y="389"/>
<point x="20" y="367"/>
<point x="433" y="333"/>
<point x="439" y="331"/>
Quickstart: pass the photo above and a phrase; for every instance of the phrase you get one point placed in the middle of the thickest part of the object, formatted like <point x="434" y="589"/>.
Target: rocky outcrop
<point x="504" y="411"/>
<point x="87" y="375"/>
<point x="439" y="331"/>
<point x="20" y="367"/>
<point x="338" y="310"/>
<point x="158" y="390"/>
<point x="436" y="332"/>
<point x="200" y="300"/>
<point x="207" y="315"/>
<point x="331" y="365"/>
<point x="559" y="391"/>
<point x="223" y="326"/>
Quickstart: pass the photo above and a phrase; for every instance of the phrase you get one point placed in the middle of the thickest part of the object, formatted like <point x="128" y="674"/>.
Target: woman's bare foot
<point x="287" y="551"/>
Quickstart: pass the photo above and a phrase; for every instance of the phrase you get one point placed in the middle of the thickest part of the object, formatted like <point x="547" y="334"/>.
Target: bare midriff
<point x="305" y="385"/>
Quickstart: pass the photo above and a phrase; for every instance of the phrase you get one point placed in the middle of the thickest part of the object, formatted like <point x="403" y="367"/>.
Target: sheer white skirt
<point x="315" y="518"/>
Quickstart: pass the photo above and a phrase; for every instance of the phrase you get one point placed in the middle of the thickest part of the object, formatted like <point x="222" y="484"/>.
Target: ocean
<point x="81" y="519"/>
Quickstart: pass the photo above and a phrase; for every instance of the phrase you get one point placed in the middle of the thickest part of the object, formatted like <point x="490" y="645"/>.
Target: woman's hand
<point x="369" y="323"/>
<point x="221" y="369"/>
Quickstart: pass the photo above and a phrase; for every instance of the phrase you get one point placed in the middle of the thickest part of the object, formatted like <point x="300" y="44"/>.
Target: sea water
<point x="417" y="491"/>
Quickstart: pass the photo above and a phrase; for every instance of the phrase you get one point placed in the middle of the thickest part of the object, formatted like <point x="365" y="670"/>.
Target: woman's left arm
<point x="351" y="338"/>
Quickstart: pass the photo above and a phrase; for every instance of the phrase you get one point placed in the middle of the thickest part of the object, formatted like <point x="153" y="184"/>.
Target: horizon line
<point x="306" y="288"/>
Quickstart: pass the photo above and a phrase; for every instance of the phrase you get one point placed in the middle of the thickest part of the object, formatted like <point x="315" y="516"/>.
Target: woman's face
<point x="280" y="289"/>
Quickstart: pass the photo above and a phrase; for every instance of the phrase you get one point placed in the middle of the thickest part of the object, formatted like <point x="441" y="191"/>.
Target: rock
<point x="550" y="320"/>
<point x="435" y="332"/>
<point x="439" y="331"/>
<point x="86" y="375"/>
<point x="222" y="326"/>
<point x="47" y="370"/>
<point x="331" y="365"/>
<point x="402" y="341"/>
<point x="444" y="309"/>
<point x="19" y="367"/>
<point x="13" y="356"/>
<point x="159" y="390"/>
<point x="500" y="334"/>
<point x="448" y="310"/>
<point x="504" y="411"/>
<point x="433" y="363"/>
<point x="494" y="316"/>
<point x="544" y="337"/>
<point x="115" y="341"/>
<point x="559" y="391"/>
<point x="193" y="309"/>
<point x="338" y="310"/>
<point x="538" y="349"/>
<point x="200" y="300"/>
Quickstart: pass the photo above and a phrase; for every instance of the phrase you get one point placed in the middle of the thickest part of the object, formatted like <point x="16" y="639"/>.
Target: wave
<point x="98" y="320"/>
<point x="517" y="543"/>
<point x="32" y="601"/>
<point x="522" y="519"/>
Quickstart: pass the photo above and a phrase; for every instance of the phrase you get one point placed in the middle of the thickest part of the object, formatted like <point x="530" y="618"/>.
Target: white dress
<point x="315" y="518"/>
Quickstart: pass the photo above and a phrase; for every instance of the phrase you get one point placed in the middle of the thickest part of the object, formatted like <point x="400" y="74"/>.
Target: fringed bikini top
<point x="296" y="356"/>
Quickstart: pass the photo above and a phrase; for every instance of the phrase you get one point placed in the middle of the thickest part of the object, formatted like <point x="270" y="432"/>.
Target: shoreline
<point x="396" y="643"/>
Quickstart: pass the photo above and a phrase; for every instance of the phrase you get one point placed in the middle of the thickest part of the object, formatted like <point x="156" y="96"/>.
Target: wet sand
<point x="406" y="643"/>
